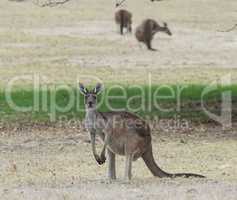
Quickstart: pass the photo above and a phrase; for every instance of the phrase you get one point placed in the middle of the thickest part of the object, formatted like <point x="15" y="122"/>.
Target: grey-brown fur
<point x="122" y="133"/>
<point x="124" y="19"/>
<point x="148" y="28"/>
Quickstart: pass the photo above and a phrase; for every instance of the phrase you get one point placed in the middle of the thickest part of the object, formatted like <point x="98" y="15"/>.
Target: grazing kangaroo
<point x="124" y="19"/>
<point x="122" y="133"/>
<point x="146" y="31"/>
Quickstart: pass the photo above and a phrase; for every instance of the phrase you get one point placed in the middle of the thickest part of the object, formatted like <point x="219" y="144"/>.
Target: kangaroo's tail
<point x="157" y="171"/>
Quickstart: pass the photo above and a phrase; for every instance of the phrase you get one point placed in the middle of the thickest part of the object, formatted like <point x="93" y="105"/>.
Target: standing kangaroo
<point x="124" y="19"/>
<point x="146" y="31"/>
<point x="122" y="133"/>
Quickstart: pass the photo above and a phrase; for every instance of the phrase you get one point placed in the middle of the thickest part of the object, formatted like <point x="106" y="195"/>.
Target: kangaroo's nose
<point x="90" y="104"/>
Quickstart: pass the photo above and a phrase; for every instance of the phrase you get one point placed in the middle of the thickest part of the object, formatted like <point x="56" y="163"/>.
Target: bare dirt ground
<point x="56" y="162"/>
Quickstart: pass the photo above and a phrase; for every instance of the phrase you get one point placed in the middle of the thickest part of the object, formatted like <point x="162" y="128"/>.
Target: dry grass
<point x="39" y="161"/>
<point x="80" y="40"/>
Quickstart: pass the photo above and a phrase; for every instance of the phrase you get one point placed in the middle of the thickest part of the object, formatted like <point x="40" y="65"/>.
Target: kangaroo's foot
<point x="111" y="173"/>
<point x="128" y="167"/>
<point x="152" y="49"/>
<point x="111" y="165"/>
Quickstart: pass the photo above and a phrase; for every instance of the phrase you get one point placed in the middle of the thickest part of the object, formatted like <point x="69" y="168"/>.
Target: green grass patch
<point x="54" y="102"/>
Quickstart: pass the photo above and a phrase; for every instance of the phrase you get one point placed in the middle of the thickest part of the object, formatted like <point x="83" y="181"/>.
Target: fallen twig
<point x="50" y="3"/>
<point x="231" y="29"/>
<point x="120" y="3"/>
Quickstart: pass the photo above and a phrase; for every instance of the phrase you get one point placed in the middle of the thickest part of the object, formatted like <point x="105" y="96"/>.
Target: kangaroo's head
<point x="90" y="96"/>
<point x="166" y="29"/>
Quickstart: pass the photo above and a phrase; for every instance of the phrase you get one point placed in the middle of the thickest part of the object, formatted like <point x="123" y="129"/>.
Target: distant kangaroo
<point x="124" y="19"/>
<point x="146" y="31"/>
<point x="123" y="133"/>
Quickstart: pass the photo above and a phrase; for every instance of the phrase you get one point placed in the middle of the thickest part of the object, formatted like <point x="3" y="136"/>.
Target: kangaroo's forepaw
<point x="103" y="158"/>
<point x="99" y="160"/>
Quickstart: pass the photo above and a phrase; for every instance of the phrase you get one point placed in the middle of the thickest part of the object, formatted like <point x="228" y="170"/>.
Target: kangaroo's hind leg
<point x="128" y="166"/>
<point x="148" y="44"/>
<point x="111" y="165"/>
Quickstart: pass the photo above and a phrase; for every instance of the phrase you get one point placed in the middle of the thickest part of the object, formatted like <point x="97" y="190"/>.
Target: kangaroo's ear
<point x="97" y="88"/>
<point x="83" y="90"/>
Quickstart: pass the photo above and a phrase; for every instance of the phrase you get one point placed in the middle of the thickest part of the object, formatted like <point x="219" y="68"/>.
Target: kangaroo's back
<point x="144" y="31"/>
<point x="125" y="122"/>
<point x="124" y="19"/>
<point x="147" y="29"/>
